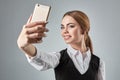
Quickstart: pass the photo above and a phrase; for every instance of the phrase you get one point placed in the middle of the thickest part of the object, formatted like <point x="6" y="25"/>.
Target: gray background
<point x="105" y="19"/>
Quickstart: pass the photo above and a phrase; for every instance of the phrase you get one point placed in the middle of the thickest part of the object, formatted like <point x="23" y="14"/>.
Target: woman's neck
<point x="81" y="48"/>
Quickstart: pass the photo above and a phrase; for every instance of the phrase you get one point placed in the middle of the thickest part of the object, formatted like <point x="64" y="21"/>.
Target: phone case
<point x="40" y="13"/>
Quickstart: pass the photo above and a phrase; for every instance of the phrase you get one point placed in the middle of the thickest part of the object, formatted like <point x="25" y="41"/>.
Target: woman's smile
<point x="67" y="37"/>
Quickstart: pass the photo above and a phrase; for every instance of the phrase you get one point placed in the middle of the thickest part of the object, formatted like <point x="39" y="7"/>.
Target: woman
<point x="77" y="62"/>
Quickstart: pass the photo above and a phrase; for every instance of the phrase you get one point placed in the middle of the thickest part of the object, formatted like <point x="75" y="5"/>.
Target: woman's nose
<point x="65" y="30"/>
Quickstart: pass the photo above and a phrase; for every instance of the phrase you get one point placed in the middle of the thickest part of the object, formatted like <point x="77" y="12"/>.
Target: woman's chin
<point x="68" y="42"/>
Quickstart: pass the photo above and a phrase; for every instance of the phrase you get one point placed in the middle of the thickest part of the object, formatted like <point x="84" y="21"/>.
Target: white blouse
<point x="43" y="61"/>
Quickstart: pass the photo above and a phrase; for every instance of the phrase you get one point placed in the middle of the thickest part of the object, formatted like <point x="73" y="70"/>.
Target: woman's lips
<point x="66" y="37"/>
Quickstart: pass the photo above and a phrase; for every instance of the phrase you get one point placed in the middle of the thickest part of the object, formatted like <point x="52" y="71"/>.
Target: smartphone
<point x="40" y="13"/>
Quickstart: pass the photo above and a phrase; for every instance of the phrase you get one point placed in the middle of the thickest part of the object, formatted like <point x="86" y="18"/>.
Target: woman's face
<point x="71" y="30"/>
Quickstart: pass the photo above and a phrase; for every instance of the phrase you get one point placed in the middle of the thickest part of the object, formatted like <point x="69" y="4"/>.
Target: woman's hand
<point x="30" y="34"/>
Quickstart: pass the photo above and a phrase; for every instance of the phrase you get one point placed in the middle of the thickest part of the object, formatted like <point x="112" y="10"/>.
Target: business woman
<point x="77" y="61"/>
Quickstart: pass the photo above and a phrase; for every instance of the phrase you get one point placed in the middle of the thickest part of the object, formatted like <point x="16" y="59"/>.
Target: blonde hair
<point x="84" y="22"/>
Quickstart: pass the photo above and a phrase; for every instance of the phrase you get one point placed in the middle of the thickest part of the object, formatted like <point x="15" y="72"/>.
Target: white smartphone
<point x="40" y="13"/>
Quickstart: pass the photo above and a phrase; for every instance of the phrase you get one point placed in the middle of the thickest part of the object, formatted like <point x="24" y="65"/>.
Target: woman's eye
<point x="62" y="27"/>
<point x="71" y="26"/>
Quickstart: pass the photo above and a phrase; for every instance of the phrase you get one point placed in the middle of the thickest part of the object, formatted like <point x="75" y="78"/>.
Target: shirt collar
<point x="72" y="50"/>
<point x="75" y="52"/>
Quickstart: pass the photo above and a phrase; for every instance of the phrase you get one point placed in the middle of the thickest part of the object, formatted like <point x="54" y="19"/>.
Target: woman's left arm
<point x="101" y="71"/>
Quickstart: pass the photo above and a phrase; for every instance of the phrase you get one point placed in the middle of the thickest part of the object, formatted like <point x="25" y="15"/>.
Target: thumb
<point x="29" y="20"/>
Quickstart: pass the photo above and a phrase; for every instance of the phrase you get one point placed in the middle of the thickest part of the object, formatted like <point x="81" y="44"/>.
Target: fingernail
<point x="46" y="30"/>
<point x="46" y="22"/>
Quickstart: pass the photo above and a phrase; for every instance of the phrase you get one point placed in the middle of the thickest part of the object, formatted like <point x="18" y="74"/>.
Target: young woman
<point x="77" y="62"/>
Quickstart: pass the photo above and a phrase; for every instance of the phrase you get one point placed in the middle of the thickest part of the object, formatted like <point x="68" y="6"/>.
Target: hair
<point x="84" y="22"/>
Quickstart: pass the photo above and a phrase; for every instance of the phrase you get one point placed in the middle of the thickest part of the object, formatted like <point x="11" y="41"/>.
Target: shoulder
<point x="63" y="51"/>
<point x="95" y="58"/>
<point x="100" y="61"/>
<point x="102" y="64"/>
<point x="62" y="58"/>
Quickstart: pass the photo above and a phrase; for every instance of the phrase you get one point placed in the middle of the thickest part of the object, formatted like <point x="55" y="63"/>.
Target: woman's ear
<point x="83" y="32"/>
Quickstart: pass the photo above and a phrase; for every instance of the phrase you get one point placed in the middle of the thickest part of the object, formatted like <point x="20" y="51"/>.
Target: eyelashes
<point x="69" y="27"/>
<point x="62" y="27"/>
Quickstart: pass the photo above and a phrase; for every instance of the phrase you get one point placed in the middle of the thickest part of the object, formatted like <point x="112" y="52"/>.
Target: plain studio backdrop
<point x="105" y="34"/>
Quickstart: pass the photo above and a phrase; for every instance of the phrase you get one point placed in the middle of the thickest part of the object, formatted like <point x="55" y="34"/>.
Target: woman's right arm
<point x="43" y="61"/>
<point x="33" y="33"/>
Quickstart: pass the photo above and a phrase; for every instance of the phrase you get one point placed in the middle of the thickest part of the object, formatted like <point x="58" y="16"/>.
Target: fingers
<point x="33" y="32"/>
<point x="36" y="35"/>
<point x="43" y="23"/>
<point x="37" y="29"/>
<point x="36" y="40"/>
<point x="31" y="24"/>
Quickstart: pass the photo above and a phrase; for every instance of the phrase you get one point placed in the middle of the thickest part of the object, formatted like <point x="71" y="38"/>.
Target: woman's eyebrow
<point x="67" y="24"/>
